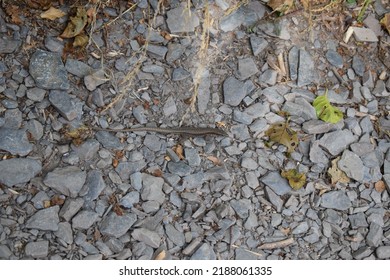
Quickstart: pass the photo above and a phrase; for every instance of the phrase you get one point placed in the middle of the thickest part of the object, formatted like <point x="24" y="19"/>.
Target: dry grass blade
<point x="277" y="244"/>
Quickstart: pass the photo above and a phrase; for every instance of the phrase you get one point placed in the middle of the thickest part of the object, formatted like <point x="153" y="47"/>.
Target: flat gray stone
<point x="180" y="74"/>
<point x="70" y="208"/>
<point x="306" y="71"/>
<point x="179" y="20"/>
<point x="8" y="45"/>
<point x="293" y="61"/>
<point x="276" y="182"/>
<point x="5" y="252"/>
<point x="87" y="150"/>
<point x="352" y="165"/>
<point x="258" y="44"/>
<point x="301" y="108"/>
<point x="36" y="94"/>
<point x="246" y="68"/>
<point x="233" y="91"/>
<point x="147" y="236"/>
<point x="274" y="199"/>
<point x="78" y="68"/>
<point x="15" y="141"/>
<point x="301" y="228"/>
<point x="241" y="207"/>
<point x="65" y="232"/>
<point x="334" y="58"/>
<point x="375" y="235"/>
<point x="18" y="170"/>
<point x="152" y="188"/>
<point x="204" y="252"/>
<point x="48" y="71"/>
<point x="358" y="220"/>
<point x="268" y="77"/>
<point x="317" y="127"/>
<point x="130" y="199"/>
<point x="84" y="219"/>
<point x="337" y="141"/>
<point x="38" y="249"/>
<point x="95" y="185"/>
<point x="336" y="200"/>
<point x="45" y="219"/>
<point x="68" y="107"/>
<point x="108" y="140"/>
<point x="358" y="65"/>
<point x="116" y="226"/>
<point x="179" y="168"/>
<point x="66" y="180"/>
<point x="97" y="78"/>
<point x="383" y="252"/>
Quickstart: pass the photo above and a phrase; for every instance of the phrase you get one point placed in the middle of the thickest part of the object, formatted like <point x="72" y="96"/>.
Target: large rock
<point x="66" y="180"/>
<point x="18" y="170"/>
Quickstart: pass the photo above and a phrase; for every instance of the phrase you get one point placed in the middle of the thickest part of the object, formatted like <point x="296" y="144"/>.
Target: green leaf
<point x="295" y="179"/>
<point x="283" y="134"/>
<point x="325" y="111"/>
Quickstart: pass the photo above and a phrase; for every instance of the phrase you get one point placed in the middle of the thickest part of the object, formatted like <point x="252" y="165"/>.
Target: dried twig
<point x="277" y="244"/>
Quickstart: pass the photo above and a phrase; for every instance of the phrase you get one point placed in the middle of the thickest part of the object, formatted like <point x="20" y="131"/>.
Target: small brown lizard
<point x="192" y="131"/>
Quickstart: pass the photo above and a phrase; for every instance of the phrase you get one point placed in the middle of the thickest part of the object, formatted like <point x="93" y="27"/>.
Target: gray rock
<point x="78" y="68"/>
<point x="334" y="58"/>
<point x="177" y="237"/>
<point x="180" y="74"/>
<point x="258" y="44"/>
<point x="358" y="220"/>
<point x="336" y="200"/>
<point x="383" y="252"/>
<point x="36" y="94"/>
<point x="45" y="219"/>
<point x="8" y="45"/>
<point x="95" y="79"/>
<point x="38" y="249"/>
<point x="193" y="181"/>
<point x="301" y="108"/>
<point x="125" y="169"/>
<point x="362" y="252"/>
<point x="276" y="182"/>
<point x="246" y="68"/>
<point x="375" y="235"/>
<point x="84" y="219"/>
<point x="362" y="148"/>
<point x="317" y="127"/>
<point x="35" y="128"/>
<point x="293" y="60"/>
<point x="233" y="91"/>
<point x="70" y="208"/>
<point x="48" y="70"/>
<point x="306" y="71"/>
<point x="249" y="163"/>
<point x="65" y="232"/>
<point x="243" y="254"/>
<point x="5" y="252"/>
<point x="204" y="252"/>
<point x="130" y="199"/>
<point x="274" y="199"/>
<point x="352" y="165"/>
<point x="68" y="107"/>
<point x="180" y="20"/>
<point x="380" y="89"/>
<point x="179" y="168"/>
<point x="268" y="77"/>
<point x="241" y="207"/>
<point x="18" y="170"/>
<point x="116" y="226"/>
<point x="15" y="141"/>
<point x="87" y="150"/>
<point x="175" y="51"/>
<point x="301" y="228"/>
<point x="157" y="51"/>
<point x="169" y="107"/>
<point x="147" y="236"/>
<point x="152" y="188"/>
<point x="108" y="140"/>
<point x="66" y="180"/>
<point x="337" y="141"/>
<point x="54" y="45"/>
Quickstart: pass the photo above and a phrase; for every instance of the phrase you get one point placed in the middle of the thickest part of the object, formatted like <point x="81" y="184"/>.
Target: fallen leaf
<point x="167" y="36"/>
<point x="157" y="173"/>
<point x="385" y="21"/>
<point x="282" y="6"/>
<point x="56" y="200"/>
<point x="283" y="134"/>
<point x="325" y="111"/>
<point x="76" y="24"/>
<point x="115" y="162"/>
<point x="13" y="12"/>
<point x="160" y="256"/>
<point x="296" y="180"/>
<point x="380" y="186"/>
<point x="178" y="149"/>
<point x="52" y="14"/>
<point x="39" y="4"/>
<point x="46" y="204"/>
<point x="80" y="40"/>
<point x="214" y="160"/>
<point x="337" y="175"/>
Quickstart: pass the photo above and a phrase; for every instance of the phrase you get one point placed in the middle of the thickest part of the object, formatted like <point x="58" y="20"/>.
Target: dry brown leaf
<point x="56" y="200"/>
<point x="178" y="149"/>
<point x="13" y="12"/>
<point x="39" y="4"/>
<point x="214" y="160"/>
<point x="160" y="256"/>
<point x="305" y="4"/>
<point x="46" y="204"/>
<point x="158" y="173"/>
<point x="115" y="162"/>
<point x="167" y="36"/>
<point x="282" y="6"/>
<point x="337" y="175"/>
<point x="52" y="13"/>
<point x="283" y="134"/>
<point x="76" y="24"/>
<point x="80" y="40"/>
<point x="385" y="21"/>
<point x="380" y="186"/>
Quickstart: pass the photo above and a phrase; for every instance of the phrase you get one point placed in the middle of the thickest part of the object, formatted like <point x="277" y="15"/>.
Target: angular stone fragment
<point x="336" y="142"/>
<point x="336" y="200"/>
<point x="233" y="91"/>
<point x="147" y="236"/>
<point x="68" y="107"/>
<point x="15" y="141"/>
<point x="179" y="20"/>
<point x="66" y="180"/>
<point x="352" y="165"/>
<point x="45" y="219"/>
<point x="18" y="170"/>
<point x="38" y="249"/>
<point x="116" y="226"/>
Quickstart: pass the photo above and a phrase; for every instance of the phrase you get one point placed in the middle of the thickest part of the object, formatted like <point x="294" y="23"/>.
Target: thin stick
<point x="277" y="244"/>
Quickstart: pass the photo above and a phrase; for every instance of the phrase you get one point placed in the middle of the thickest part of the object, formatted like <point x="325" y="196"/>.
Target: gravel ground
<point x="71" y="193"/>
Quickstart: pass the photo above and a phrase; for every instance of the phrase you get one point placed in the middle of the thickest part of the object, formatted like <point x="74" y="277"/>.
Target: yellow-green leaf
<point x="76" y="24"/>
<point x="295" y="179"/>
<point x="283" y="134"/>
<point x="325" y="111"/>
